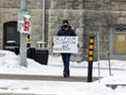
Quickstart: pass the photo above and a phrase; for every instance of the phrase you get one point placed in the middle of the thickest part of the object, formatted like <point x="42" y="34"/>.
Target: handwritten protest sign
<point x="65" y="44"/>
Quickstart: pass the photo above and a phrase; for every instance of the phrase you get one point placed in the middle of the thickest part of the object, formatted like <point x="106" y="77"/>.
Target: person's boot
<point x="66" y="74"/>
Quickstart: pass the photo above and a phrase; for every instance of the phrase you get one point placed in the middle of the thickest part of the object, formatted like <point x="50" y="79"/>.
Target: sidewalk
<point x="9" y="64"/>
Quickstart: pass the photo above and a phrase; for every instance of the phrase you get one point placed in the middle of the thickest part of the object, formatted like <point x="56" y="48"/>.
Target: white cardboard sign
<point x="65" y="44"/>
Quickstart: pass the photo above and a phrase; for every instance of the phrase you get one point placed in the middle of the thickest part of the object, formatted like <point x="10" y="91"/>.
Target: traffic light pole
<point x="90" y="57"/>
<point x="23" y="49"/>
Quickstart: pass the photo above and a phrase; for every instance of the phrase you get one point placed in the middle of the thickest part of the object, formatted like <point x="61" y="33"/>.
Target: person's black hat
<point x="65" y="21"/>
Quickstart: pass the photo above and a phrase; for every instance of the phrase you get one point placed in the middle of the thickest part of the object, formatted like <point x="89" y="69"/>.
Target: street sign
<point x="24" y="25"/>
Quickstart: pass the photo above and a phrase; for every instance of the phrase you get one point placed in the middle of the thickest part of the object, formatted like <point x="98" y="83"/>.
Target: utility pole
<point x="23" y="49"/>
<point x="98" y="51"/>
<point x="44" y="23"/>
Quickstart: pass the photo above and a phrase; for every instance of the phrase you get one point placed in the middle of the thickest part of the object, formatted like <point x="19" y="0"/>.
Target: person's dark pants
<point x="66" y="63"/>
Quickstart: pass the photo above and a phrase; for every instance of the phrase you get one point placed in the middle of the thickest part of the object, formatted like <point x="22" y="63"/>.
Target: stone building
<point x="104" y="17"/>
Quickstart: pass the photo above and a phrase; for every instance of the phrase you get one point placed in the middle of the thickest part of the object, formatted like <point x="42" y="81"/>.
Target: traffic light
<point x="90" y="56"/>
<point x="28" y="40"/>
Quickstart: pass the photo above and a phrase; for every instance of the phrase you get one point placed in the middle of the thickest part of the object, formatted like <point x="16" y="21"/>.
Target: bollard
<point x="90" y="57"/>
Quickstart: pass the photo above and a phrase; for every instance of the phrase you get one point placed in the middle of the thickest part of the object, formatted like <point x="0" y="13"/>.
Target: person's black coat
<point x="69" y="32"/>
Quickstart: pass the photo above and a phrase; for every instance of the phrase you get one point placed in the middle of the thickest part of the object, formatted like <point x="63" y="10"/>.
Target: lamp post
<point x="23" y="49"/>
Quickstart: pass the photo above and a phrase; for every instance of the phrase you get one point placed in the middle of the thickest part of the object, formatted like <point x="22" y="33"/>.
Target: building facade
<point x="104" y="17"/>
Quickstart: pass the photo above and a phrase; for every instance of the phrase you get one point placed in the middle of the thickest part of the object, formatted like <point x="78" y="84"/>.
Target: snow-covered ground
<point x="9" y="64"/>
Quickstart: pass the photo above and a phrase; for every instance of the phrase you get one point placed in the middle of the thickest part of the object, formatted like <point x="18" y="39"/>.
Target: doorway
<point x="10" y="35"/>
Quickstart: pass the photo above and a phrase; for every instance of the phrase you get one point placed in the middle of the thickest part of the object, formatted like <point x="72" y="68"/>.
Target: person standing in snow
<point x="66" y="30"/>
